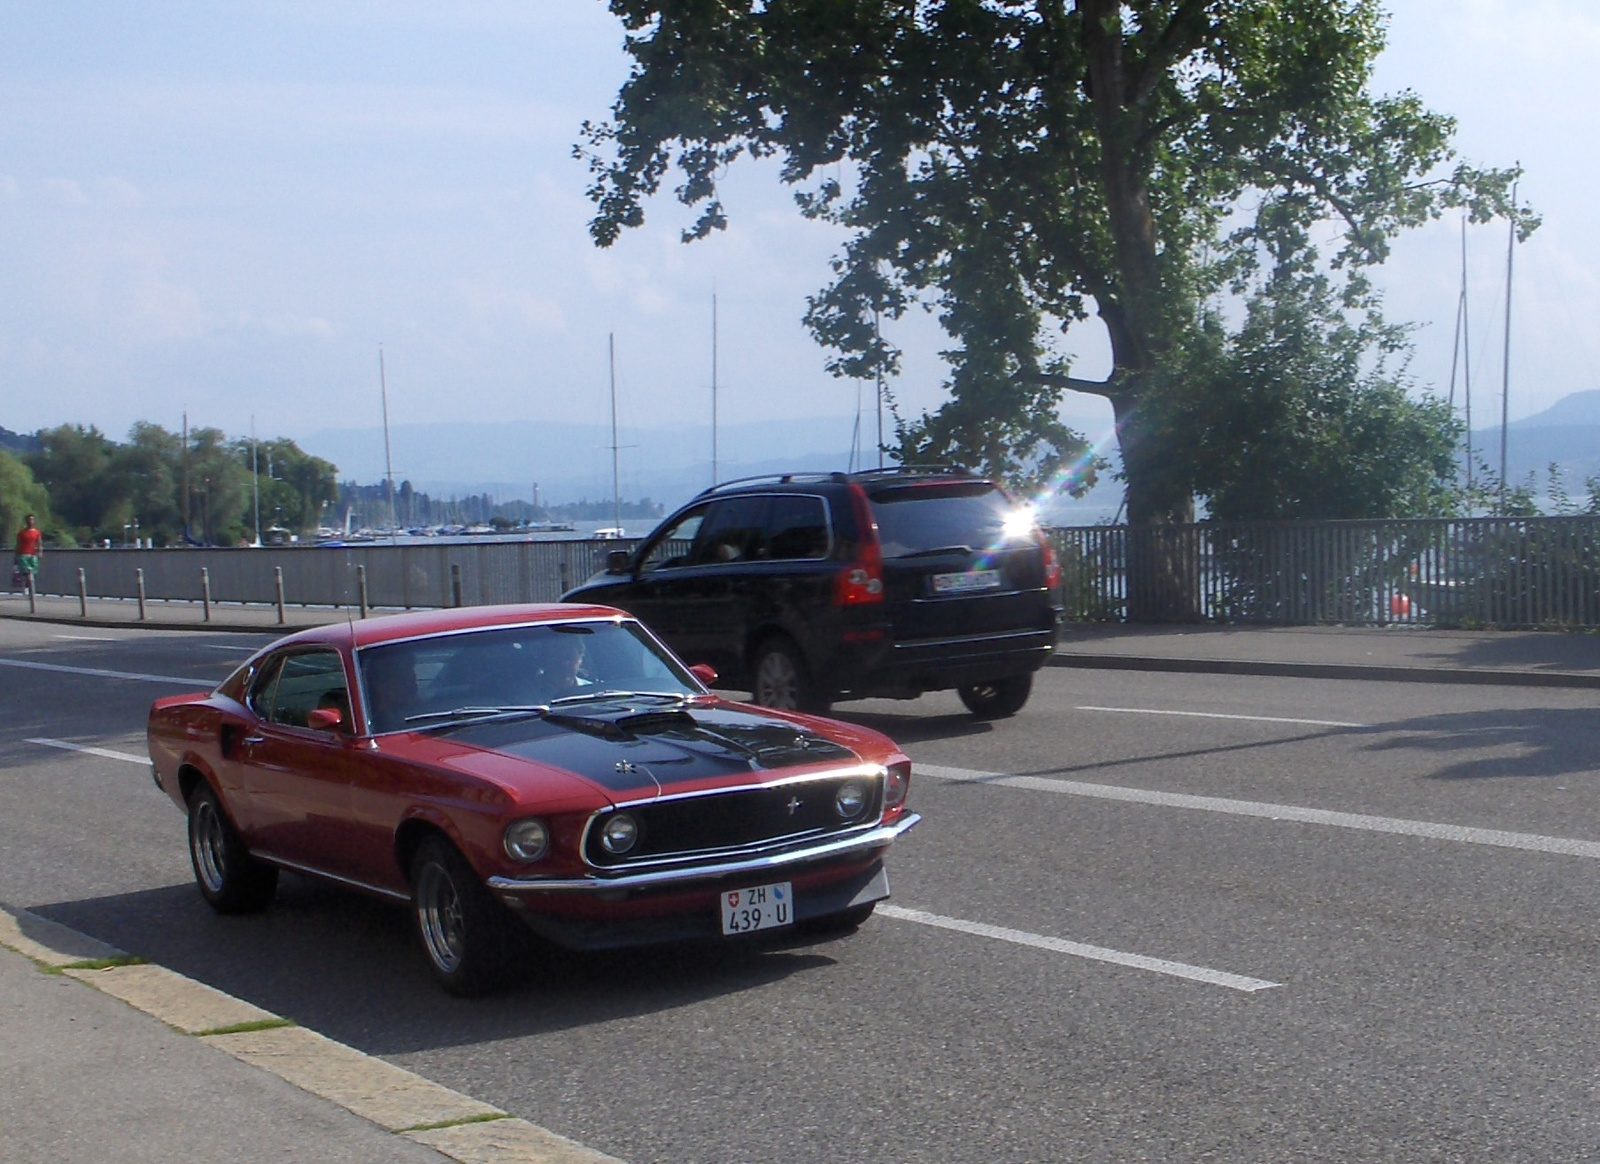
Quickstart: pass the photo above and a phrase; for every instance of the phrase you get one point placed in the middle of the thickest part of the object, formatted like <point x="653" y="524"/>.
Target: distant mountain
<point x="1567" y="434"/>
<point x="570" y="461"/>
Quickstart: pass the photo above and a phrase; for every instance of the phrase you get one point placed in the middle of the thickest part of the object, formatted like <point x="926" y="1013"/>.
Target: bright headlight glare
<point x="850" y="800"/>
<point x="619" y="834"/>
<point x="527" y="840"/>
<point x="896" y="783"/>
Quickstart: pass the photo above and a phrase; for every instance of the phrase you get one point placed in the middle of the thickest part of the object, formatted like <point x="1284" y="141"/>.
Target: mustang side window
<point x="309" y="681"/>
<point x="259" y="698"/>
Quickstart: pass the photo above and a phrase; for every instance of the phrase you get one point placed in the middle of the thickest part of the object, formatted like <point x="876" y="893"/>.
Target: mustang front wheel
<point x="464" y="930"/>
<point x="230" y="879"/>
<point x="997" y="699"/>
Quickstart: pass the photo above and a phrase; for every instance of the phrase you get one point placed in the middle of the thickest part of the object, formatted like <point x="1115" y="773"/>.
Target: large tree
<point x="1026" y="166"/>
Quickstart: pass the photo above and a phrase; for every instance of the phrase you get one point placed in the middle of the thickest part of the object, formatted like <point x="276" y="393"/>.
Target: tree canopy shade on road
<point x="1208" y="178"/>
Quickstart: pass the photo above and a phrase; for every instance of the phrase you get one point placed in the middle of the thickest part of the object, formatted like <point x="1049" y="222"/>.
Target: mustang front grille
<point x="739" y="820"/>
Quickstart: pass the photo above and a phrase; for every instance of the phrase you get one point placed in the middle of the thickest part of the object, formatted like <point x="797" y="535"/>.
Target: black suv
<point x="813" y="587"/>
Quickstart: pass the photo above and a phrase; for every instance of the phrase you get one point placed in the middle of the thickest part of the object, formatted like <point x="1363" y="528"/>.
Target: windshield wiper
<point x="457" y="714"/>
<point x="610" y="696"/>
<point x="933" y="553"/>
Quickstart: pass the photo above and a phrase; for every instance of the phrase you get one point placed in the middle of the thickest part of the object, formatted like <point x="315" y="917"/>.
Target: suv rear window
<point x="916" y="519"/>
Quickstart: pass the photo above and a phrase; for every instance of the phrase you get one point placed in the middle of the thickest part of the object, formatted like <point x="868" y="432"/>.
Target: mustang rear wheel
<point x="464" y="931"/>
<point x="782" y="681"/>
<point x="230" y="879"/>
<point x="998" y="699"/>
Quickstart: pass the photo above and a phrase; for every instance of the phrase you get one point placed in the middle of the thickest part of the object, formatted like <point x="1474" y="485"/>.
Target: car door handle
<point x="248" y="740"/>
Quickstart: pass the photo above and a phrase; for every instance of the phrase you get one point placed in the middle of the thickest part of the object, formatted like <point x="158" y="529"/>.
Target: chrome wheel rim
<point x="440" y="919"/>
<point x="777" y="682"/>
<point x="209" y="845"/>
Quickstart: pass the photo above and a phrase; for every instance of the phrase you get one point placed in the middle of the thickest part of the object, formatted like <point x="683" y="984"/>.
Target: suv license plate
<point x="967" y="582"/>
<point x="762" y="907"/>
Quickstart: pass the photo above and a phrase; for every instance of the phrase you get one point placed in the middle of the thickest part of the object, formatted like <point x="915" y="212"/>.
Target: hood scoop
<point x="623" y="724"/>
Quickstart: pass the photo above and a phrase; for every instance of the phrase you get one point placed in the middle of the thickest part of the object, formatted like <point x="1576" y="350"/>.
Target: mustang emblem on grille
<point x="794" y="805"/>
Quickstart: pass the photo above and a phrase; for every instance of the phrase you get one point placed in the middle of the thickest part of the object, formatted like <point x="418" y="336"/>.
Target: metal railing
<point x="392" y="577"/>
<point x="1486" y="572"/>
<point x="1473" y="572"/>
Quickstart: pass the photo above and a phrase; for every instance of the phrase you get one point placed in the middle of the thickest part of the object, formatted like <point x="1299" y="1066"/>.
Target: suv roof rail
<point x="773" y="479"/>
<point x="915" y="470"/>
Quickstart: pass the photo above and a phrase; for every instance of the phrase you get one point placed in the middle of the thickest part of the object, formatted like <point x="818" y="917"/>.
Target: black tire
<point x="844" y="922"/>
<point x="230" y="879"/>
<point x="782" y="680"/>
<point x="999" y="698"/>
<point x="465" y="933"/>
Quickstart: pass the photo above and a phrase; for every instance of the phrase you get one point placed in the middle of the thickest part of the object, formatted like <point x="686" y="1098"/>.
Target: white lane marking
<point x="1223" y="715"/>
<point x="68" y="746"/>
<point x="89" y="638"/>
<point x="1079" y="950"/>
<point x="1498" y="838"/>
<point x="181" y="680"/>
<point x="228" y="647"/>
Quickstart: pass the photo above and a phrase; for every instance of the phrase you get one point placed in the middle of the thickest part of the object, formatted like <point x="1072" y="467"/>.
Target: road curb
<point x="273" y="629"/>
<point x="1365" y="671"/>
<point x="400" y="1102"/>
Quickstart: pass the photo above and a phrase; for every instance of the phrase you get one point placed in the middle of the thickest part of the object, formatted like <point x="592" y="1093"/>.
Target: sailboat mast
<point x="255" y="478"/>
<point x="877" y="338"/>
<point x="388" y="465"/>
<point x="713" y="383"/>
<point x="1505" y="372"/>
<point x="616" y="475"/>
<point x="1466" y="349"/>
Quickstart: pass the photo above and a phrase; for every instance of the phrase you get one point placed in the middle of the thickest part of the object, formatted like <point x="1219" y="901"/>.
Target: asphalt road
<point x="1153" y="917"/>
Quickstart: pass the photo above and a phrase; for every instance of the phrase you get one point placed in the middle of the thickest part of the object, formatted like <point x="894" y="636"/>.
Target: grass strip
<point x="487" y="1118"/>
<point x="99" y="964"/>
<point x="270" y="1024"/>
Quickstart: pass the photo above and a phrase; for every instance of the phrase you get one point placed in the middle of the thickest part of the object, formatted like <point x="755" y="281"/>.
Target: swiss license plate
<point x="762" y="907"/>
<point x="966" y="582"/>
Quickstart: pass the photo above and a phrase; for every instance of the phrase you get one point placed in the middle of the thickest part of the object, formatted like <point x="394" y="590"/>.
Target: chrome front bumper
<point x="692" y="875"/>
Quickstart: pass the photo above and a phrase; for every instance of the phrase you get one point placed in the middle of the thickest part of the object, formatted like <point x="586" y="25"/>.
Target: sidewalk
<point x="1406" y="654"/>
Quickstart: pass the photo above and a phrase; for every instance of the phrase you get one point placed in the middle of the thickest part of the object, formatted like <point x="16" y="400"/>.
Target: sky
<point x="228" y="208"/>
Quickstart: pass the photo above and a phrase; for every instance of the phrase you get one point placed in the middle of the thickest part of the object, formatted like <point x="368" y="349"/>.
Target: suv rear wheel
<point x="997" y="699"/>
<point x="782" y="681"/>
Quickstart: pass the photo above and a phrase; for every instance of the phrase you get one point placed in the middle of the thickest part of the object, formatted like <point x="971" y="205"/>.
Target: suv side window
<point x="796" y="528"/>
<point x="672" y="547"/>
<point x="732" y="533"/>
<point x="308" y="681"/>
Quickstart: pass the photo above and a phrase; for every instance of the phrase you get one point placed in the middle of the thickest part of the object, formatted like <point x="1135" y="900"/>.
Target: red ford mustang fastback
<point x="554" y="764"/>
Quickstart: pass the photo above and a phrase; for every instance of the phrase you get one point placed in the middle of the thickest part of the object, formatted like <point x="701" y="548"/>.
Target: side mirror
<point x="617" y="561"/>
<point x="325" y="719"/>
<point x="704" y="672"/>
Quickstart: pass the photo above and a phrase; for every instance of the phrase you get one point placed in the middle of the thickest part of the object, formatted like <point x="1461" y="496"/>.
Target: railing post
<point x="83" y="594"/>
<point x="139" y="574"/>
<point x="455" y="584"/>
<point x="361" y="587"/>
<point x="277" y="583"/>
<point x="205" y="593"/>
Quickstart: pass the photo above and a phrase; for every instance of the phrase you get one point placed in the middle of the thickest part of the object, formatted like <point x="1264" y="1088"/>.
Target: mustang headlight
<point x="527" y="840"/>
<point x="849" y="801"/>
<point x="619" y="834"/>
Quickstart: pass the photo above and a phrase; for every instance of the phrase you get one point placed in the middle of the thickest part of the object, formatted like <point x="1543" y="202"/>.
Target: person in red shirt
<point x="30" y="544"/>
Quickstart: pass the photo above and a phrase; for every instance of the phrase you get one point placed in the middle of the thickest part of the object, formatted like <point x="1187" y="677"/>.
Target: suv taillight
<point x="861" y="582"/>
<point x="1052" y="567"/>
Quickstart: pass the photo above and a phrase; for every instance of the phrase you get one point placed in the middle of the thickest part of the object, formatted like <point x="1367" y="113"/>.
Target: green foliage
<point x="1021" y="166"/>
<point x="100" y="490"/>
<point x="1298" y="416"/>
<point x="21" y="495"/>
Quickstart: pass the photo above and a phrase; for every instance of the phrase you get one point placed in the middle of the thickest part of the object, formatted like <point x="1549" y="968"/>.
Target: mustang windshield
<point x="410" y="683"/>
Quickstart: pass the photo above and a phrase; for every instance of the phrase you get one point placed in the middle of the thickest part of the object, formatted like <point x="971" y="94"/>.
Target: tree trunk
<point x="1163" y="567"/>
